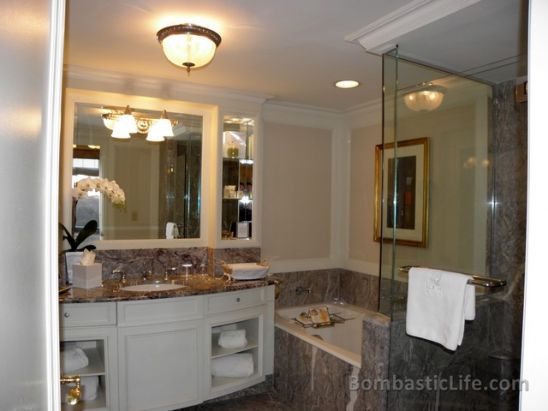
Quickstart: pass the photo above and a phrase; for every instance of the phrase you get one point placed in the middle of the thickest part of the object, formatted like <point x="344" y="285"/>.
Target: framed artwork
<point x="403" y="203"/>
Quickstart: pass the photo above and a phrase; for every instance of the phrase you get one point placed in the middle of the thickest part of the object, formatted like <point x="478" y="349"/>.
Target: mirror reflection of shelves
<point x="243" y="359"/>
<point x="237" y="177"/>
<point x="93" y="375"/>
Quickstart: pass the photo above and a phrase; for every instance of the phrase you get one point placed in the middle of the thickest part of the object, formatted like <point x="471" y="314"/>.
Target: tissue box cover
<point x="87" y="276"/>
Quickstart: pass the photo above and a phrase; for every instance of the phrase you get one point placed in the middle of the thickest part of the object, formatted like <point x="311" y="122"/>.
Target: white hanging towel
<point x="438" y="302"/>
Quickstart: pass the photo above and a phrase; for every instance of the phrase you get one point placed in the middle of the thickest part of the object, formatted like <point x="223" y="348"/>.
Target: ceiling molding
<point x="382" y="35"/>
<point x="94" y="79"/>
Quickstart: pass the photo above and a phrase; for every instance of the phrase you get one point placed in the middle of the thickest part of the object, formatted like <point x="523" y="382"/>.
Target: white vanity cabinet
<point x="156" y="354"/>
<point x="92" y="327"/>
<point x="159" y="352"/>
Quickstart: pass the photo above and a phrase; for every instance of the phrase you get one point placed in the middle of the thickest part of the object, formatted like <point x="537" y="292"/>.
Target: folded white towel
<point x="73" y="359"/>
<point x="232" y="339"/>
<point x="246" y="271"/>
<point x="438" y="302"/>
<point x="90" y="388"/>
<point x="235" y="365"/>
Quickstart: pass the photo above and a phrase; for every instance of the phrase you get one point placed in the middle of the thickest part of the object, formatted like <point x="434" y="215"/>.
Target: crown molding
<point x="96" y="79"/>
<point x="382" y="35"/>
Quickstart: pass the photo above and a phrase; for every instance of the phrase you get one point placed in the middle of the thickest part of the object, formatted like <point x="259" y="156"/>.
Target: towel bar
<point x="488" y="282"/>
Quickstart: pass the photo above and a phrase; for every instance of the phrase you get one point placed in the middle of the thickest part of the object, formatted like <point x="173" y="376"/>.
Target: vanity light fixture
<point x="347" y="84"/>
<point x="188" y="45"/>
<point x="126" y="123"/>
<point x="424" y="97"/>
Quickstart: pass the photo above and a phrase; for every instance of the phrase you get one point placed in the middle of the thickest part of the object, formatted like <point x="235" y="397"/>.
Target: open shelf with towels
<point x="94" y="351"/>
<point x="236" y="351"/>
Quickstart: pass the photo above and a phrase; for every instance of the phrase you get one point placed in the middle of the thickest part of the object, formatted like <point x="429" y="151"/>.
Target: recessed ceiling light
<point x="347" y="84"/>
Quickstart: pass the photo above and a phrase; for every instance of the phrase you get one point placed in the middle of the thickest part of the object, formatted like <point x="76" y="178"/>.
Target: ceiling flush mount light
<point x="424" y="97"/>
<point x="347" y="84"/>
<point x="188" y="45"/>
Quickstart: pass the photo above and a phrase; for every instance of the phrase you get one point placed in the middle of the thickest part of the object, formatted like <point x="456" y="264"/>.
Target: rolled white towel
<point x="235" y="365"/>
<point x="232" y="339"/>
<point x="73" y="359"/>
<point x="90" y="388"/>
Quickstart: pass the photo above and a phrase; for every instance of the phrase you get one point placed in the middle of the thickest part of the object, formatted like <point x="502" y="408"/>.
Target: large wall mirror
<point x="161" y="174"/>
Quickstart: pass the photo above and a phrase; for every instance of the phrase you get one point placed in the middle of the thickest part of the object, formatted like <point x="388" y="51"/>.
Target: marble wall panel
<point x="324" y="286"/>
<point x="359" y="289"/>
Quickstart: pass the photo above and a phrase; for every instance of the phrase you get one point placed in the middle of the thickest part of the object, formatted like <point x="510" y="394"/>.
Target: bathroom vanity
<point x="153" y="351"/>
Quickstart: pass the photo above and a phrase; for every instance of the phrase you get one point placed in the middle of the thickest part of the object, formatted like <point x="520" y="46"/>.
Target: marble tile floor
<point x="261" y="402"/>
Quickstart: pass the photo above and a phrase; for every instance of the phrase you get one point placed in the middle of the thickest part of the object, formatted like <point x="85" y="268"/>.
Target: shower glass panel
<point x="434" y="210"/>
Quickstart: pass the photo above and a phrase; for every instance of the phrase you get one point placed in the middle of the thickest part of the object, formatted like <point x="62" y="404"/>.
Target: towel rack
<point x="488" y="282"/>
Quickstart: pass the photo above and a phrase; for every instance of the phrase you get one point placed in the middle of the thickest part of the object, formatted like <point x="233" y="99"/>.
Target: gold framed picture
<point x="403" y="204"/>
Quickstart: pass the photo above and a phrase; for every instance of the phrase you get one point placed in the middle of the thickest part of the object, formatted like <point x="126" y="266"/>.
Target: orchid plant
<point x="110" y="188"/>
<point x="102" y="185"/>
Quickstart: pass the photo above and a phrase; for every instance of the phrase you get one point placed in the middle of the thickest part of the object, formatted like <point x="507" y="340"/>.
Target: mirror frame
<point x="209" y="113"/>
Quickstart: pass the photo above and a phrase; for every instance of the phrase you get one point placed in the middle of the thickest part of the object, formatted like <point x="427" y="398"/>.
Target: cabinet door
<point x="159" y="366"/>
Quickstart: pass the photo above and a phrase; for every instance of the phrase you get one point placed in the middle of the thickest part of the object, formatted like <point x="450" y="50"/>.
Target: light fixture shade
<point x="162" y="127"/>
<point x="426" y="97"/>
<point x="188" y="45"/>
<point x="108" y="121"/>
<point x="154" y="135"/>
<point x="119" y="131"/>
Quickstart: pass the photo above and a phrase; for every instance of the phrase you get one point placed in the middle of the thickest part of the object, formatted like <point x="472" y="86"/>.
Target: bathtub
<point x="344" y="341"/>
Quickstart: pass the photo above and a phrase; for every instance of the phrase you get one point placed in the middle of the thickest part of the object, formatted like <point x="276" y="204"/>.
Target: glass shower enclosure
<point x="435" y="207"/>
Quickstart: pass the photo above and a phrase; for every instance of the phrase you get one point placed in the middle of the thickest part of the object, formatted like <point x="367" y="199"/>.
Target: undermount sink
<point x="152" y="287"/>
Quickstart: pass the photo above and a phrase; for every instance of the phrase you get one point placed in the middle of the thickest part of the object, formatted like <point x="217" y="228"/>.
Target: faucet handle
<point x="121" y="273"/>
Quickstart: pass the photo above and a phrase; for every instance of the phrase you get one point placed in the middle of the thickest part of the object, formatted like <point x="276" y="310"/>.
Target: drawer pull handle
<point x="238" y="299"/>
<point x="67" y="315"/>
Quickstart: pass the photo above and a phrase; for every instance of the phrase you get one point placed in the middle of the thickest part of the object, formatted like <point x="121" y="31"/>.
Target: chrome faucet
<point x="172" y="270"/>
<point x="301" y="290"/>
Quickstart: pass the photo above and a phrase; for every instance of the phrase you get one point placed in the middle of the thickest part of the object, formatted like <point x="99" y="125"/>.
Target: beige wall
<point x="362" y="248"/>
<point x="296" y="192"/>
<point x="458" y="190"/>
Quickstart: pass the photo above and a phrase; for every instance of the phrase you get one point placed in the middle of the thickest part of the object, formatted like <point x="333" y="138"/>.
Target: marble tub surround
<point x="110" y="291"/>
<point x="328" y="285"/>
<point x="307" y="377"/>
<point x="324" y="285"/>
<point x="312" y="379"/>
<point x="359" y="289"/>
<point x="216" y="256"/>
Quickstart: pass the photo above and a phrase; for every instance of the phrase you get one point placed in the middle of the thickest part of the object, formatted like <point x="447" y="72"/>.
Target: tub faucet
<point x="301" y="290"/>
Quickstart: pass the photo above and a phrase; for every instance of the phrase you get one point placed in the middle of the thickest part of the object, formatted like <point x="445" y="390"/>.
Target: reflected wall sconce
<point x="424" y="97"/>
<point x="188" y="45"/>
<point x="125" y="123"/>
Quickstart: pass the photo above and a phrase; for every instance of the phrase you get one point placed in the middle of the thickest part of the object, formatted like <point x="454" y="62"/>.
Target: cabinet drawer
<point x="164" y="310"/>
<point x="87" y="314"/>
<point x="235" y="300"/>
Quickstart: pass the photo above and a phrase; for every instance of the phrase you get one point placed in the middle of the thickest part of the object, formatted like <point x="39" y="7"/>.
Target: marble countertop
<point x="195" y="285"/>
